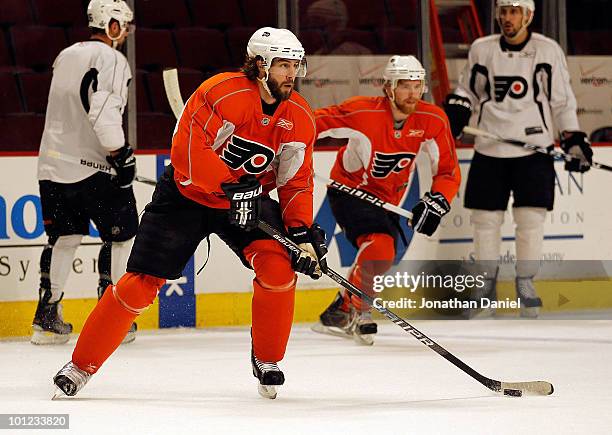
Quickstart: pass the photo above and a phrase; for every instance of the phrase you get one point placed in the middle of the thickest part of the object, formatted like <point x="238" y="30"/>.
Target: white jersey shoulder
<point x="83" y="121"/>
<point x="521" y="94"/>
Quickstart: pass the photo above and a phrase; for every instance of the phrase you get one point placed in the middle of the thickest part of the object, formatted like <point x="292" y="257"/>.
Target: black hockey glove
<point x="311" y="241"/>
<point x="244" y="197"/>
<point x="458" y="109"/>
<point x="428" y="212"/>
<point x="576" y="144"/>
<point x="124" y="163"/>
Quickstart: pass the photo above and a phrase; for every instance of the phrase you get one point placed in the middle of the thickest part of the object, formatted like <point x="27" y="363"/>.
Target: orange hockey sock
<point x="273" y="299"/>
<point x="375" y="257"/>
<point x="110" y="320"/>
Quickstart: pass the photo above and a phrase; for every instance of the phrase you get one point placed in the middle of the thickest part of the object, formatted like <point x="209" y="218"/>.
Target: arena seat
<point x="260" y="14"/>
<point x="313" y="41"/>
<point x="236" y="41"/>
<point x="15" y="12"/>
<point x="403" y="13"/>
<point x="60" y="12"/>
<point x="201" y="48"/>
<point x="35" y="88"/>
<point x="22" y="131"/>
<point x="37" y="47"/>
<point x="143" y="102"/>
<point x="78" y="34"/>
<point x="218" y="17"/>
<point x="155" y="49"/>
<point x="155" y="130"/>
<point x="189" y="80"/>
<point x="161" y="13"/>
<point x="5" y="55"/>
<point x="396" y="40"/>
<point x="10" y="101"/>
<point x="366" y="14"/>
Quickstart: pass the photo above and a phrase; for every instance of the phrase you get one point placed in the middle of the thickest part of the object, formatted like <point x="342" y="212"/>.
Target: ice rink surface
<point x="200" y="381"/>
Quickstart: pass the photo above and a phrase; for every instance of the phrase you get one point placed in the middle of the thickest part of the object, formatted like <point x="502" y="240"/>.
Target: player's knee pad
<point x="56" y="262"/>
<point x="487" y="233"/>
<point x="272" y="265"/>
<point x="529" y="238"/>
<point x="136" y="291"/>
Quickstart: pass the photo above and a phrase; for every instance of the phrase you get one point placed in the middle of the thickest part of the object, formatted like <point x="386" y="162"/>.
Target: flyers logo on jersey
<point x="283" y="123"/>
<point x="243" y="153"/>
<point x="385" y="163"/>
<point x="514" y="86"/>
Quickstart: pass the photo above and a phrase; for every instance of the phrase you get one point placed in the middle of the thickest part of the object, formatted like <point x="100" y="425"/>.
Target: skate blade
<point x="330" y="330"/>
<point x="42" y="337"/>
<point x="129" y="338"/>
<point x="364" y="339"/>
<point x="267" y="391"/>
<point x="57" y="393"/>
<point x="530" y="312"/>
<point x="480" y="313"/>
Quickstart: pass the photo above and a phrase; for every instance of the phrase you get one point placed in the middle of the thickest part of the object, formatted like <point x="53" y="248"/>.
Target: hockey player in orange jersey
<point x="240" y="136"/>
<point x="385" y="134"/>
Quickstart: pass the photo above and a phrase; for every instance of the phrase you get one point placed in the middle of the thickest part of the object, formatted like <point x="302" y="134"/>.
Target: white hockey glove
<point x="311" y="241"/>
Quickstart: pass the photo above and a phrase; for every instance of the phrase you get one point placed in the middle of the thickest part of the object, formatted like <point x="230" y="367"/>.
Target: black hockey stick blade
<point x="514" y="389"/>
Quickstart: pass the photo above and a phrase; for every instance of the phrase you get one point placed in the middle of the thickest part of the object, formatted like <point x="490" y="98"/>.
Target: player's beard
<point x="405" y="106"/>
<point x="510" y="31"/>
<point x="276" y="91"/>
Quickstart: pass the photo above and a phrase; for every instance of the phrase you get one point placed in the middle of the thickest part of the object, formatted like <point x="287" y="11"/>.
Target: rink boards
<point x="578" y="229"/>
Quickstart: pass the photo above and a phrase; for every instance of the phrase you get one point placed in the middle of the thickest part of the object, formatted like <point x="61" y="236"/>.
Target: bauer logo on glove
<point x="428" y="212"/>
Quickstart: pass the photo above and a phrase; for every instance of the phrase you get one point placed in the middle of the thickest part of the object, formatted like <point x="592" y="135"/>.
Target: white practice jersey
<point x="84" y="112"/>
<point x="524" y="95"/>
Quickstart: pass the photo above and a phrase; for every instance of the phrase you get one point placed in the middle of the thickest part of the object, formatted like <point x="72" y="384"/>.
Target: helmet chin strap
<point x="115" y="41"/>
<point x="264" y="83"/>
<point x="526" y="22"/>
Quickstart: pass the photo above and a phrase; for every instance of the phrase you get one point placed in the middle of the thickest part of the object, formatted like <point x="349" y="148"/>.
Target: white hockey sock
<point x="529" y="239"/>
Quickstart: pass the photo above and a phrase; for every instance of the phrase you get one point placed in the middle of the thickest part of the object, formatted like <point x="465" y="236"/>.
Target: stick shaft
<point x="563" y="156"/>
<point x="365" y="197"/>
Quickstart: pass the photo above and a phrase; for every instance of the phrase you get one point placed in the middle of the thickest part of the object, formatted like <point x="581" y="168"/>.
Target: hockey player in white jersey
<point x="518" y="85"/>
<point x="84" y="123"/>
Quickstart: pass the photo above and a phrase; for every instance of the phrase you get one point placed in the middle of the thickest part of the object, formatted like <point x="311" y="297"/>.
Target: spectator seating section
<point x="201" y="38"/>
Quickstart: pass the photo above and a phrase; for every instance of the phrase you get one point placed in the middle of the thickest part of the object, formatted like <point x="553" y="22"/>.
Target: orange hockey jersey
<point x="223" y="134"/>
<point x="378" y="159"/>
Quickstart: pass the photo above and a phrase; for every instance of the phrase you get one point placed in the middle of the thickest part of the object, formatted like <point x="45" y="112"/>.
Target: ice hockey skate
<point x="269" y="376"/>
<point x="487" y="292"/>
<point x="48" y="325"/>
<point x="530" y="302"/>
<point x="69" y="380"/>
<point x="335" y="320"/>
<point x="362" y="328"/>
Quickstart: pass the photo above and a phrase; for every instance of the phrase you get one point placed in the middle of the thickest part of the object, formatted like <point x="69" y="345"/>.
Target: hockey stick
<point x="539" y="149"/>
<point x="107" y="169"/>
<point x="173" y="91"/>
<point x="353" y="191"/>
<point x="516" y="389"/>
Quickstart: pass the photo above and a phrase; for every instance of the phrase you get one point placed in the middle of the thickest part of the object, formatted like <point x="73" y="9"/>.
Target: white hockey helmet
<point x="270" y="43"/>
<point x="101" y="12"/>
<point x="525" y="5"/>
<point x="404" y="68"/>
